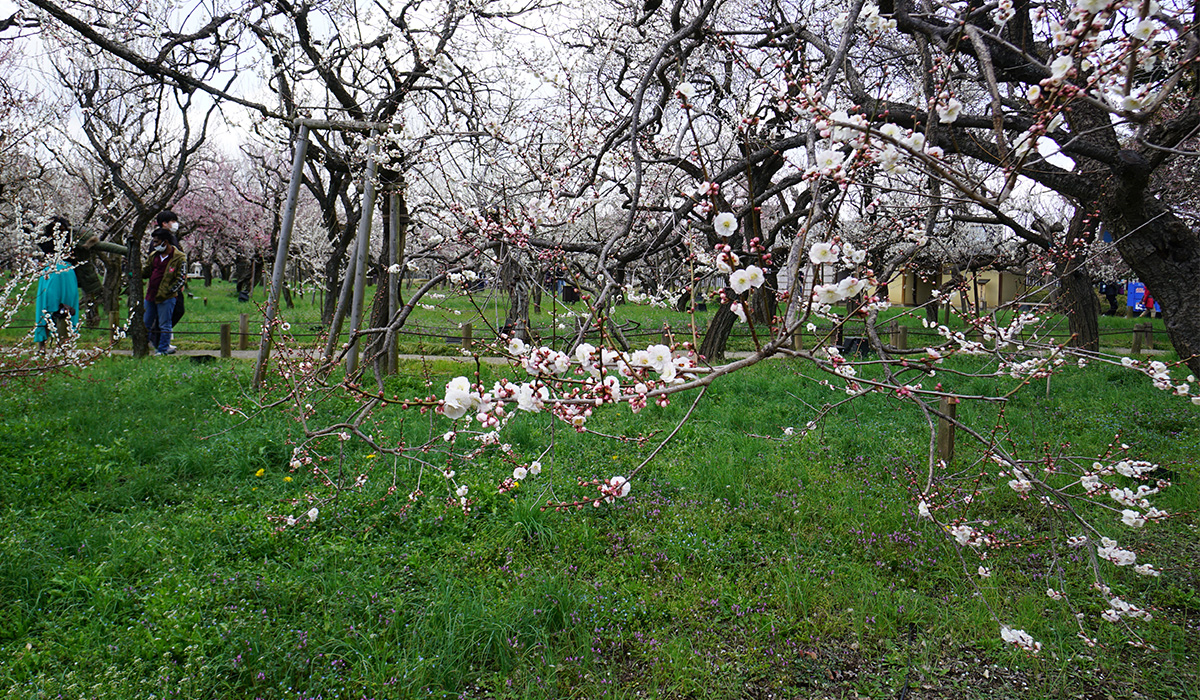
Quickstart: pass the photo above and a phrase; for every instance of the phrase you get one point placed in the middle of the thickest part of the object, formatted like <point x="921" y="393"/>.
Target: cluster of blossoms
<point x="832" y="252"/>
<point x="870" y="18"/>
<point x="601" y="376"/>
<point x="1097" y="485"/>
<point x="1019" y="638"/>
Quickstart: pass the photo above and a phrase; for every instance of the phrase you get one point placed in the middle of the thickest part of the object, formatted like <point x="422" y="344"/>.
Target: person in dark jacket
<point x="164" y="268"/>
<point x="169" y="220"/>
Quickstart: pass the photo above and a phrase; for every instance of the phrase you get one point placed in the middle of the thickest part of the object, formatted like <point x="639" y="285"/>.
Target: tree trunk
<point x="717" y="335"/>
<point x="765" y="299"/>
<point x="138" y="334"/>
<point x="512" y="276"/>
<point x="1076" y="296"/>
<point x="1164" y="252"/>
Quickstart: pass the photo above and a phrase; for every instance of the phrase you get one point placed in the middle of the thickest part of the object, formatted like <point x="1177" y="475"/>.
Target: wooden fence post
<point x="666" y="333"/>
<point x="945" y="434"/>
<point x="1136" y="348"/>
<point x="243" y="332"/>
<point x="467" y="341"/>
<point x="798" y="340"/>
<point x="226" y="341"/>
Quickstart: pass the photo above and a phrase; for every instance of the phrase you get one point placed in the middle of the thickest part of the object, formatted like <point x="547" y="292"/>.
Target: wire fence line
<point x="484" y="334"/>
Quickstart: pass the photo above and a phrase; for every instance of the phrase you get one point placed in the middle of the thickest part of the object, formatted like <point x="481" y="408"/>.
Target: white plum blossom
<point x="535" y="468"/>
<point x="517" y="347"/>
<point x="312" y="515"/>
<point x="584" y="352"/>
<point x="824" y="252"/>
<point x="1147" y="570"/>
<point x="659" y="356"/>
<point x="617" y="487"/>
<point x="1059" y="68"/>
<point x="686" y="90"/>
<point x="1019" y="638"/>
<point x="462" y="491"/>
<point x="851" y="286"/>
<point x="754" y="276"/>
<point x="520" y="473"/>
<point x="948" y="113"/>
<point x="459" y="398"/>
<point x="739" y="310"/>
<point x="827" y="294"/>
<point x="1144" y="30"/>
<point x="531" y="398"/>
<point x="1121" y="609"/>
<point x="739" y="281"/>
<point x="1132" y="518"/>
<point x="725" y="224"/>
<point x="828" y="161"/>
<point x="873" y="22"/>
<point x="892" y="131"/>
<point x="1111" y="552"/>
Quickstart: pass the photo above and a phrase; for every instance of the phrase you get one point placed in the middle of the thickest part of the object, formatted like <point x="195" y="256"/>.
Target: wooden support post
<point x="243" y="332"/>
<point x="467" y="341"/>
<point x="666" y="333"/>
<point x="1136" y="348"/>
<point x="1148" y="335"/>
<point x="1128" y="312"/>
<point x="903" y="338"/>
<point x="798" y="340"/>
<point x="226" y="341"/>
<point x="945" y="434"/>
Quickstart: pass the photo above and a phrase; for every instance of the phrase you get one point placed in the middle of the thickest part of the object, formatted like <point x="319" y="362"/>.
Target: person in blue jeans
<point x="164" y="268"/>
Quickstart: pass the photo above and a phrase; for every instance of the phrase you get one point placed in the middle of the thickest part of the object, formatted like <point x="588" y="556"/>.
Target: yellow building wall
<point x="994" y="287"/>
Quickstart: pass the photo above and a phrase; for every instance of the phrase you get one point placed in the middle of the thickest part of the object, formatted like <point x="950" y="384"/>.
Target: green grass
<point x="142" y="555"/>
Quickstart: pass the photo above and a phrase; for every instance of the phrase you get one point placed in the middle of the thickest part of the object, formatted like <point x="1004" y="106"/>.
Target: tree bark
<point x="1163" y="251"/>
<point x="717" y="335"/>
<point x="512" y="276"/>
<point x="1077" y="297"/>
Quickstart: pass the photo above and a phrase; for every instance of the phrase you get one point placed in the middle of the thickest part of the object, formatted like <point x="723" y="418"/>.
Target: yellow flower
<point x="260" y="472"/>
<point x="287" y="478"/>
<point x="371" y="456"/>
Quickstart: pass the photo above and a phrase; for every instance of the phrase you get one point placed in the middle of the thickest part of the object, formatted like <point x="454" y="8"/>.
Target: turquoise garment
<point x="56" y="288"/>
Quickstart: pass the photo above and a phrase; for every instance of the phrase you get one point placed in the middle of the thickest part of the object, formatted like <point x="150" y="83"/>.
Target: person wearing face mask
<point x="170" y="221"/>
<point x="165" y="266"/>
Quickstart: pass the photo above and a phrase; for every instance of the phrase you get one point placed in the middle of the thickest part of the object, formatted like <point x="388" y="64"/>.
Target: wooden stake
<point x="945" y="434"/>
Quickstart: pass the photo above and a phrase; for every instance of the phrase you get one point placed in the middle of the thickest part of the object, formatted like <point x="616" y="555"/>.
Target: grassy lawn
<point x="142" y="555"/>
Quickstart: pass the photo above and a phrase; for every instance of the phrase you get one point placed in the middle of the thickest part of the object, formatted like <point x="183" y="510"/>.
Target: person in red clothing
<point x="1147" y="304"/>
<point x="164" y="268"/>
